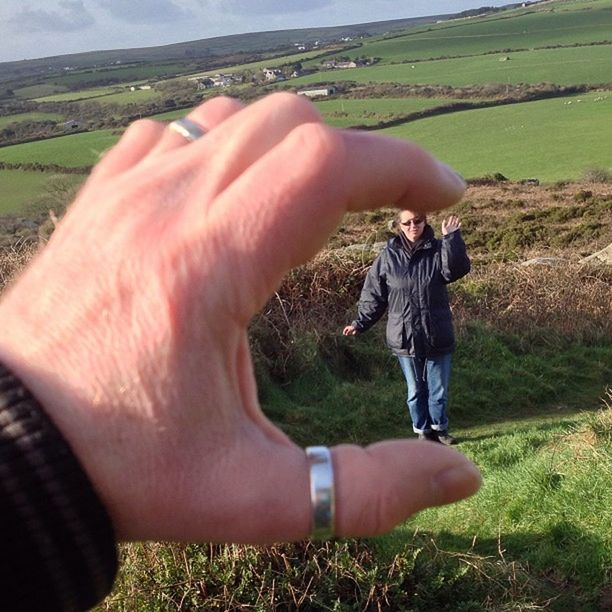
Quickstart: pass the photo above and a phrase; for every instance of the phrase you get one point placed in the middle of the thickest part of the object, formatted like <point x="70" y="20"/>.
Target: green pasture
<point x="292" y="58"/>
<point x="345" y="112"/>
<point x="566" y="66"/>
<point x="22" y="189"/>
<point x="548" y="139"/>
<point x="38" y="91"/>
<point x="129" y="97"/>
<point x="71" y="151"/>
<point x="105" y="95"/>
<point x="83" y="94"/>
<point x="170" y="115"/>
<point x="476" y="36"/>
<point x="117" y="75"/>
<point x="21" y="117"/>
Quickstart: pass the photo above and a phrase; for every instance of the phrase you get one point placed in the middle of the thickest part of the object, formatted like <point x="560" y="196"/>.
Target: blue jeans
<point x="427" y="380"/>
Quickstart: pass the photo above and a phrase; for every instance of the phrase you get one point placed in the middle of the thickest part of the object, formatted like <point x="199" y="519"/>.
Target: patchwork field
<point x="527" y="29"/>
<point x="548" y="139"/>
<point x="20" y="117"/>
<point x="563" y="66"/>
<point x="71" y="151"/>
<point x="346" y="112"/>
<point x="82" y="94"/>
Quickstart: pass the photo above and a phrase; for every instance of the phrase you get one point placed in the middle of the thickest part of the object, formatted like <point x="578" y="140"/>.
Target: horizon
<point x="66" y="27"/>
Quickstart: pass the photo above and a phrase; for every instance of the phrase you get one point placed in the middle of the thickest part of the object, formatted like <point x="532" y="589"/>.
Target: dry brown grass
<point x="12" y="260"/>
<point x="572" y="301"/>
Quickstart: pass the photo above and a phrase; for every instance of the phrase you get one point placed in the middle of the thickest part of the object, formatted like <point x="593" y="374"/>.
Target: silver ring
<point x="322" y="495"/>
<point x="187" y="128"/>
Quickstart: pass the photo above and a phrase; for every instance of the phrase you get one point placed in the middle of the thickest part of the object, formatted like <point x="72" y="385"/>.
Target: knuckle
<point x="317" y="145"/>
<point x="298" y="106"/>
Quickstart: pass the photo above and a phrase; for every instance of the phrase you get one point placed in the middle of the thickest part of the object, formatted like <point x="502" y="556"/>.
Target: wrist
<point x="58" y="526"/>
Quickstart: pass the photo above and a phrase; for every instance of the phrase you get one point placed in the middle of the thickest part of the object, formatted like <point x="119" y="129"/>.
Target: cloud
<point x="71" y="16"/>
<point x="268" y="7"/>
<point x="145" y="11"/>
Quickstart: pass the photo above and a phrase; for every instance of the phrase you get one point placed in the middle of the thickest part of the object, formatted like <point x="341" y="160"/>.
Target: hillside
<point x="209" y="48"/>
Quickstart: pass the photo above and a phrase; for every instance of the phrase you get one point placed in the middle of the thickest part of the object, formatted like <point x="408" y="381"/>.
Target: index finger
<point x="280" y="211"/>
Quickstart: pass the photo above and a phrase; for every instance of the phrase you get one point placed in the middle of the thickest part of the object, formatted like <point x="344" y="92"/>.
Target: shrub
<point x="598" y="175"/>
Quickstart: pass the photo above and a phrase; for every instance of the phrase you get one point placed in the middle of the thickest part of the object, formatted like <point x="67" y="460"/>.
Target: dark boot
<point x="445" y="438"/>
<point x="428" y="435"/>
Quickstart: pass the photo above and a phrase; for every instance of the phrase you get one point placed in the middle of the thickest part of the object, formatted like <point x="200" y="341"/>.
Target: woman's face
<point x="412" y="224"/>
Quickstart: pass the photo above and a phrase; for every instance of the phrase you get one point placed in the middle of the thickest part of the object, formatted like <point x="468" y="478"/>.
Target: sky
<point x="41" y="28"/>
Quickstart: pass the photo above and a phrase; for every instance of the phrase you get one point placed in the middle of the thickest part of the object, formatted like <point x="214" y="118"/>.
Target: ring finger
<point x="207" y="116"/>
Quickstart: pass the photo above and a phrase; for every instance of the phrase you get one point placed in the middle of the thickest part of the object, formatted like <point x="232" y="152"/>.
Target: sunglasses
<point x="414" y="222"/>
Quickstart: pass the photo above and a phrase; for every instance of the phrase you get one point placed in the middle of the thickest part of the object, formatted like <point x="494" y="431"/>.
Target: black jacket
<point x="412" y="286"/>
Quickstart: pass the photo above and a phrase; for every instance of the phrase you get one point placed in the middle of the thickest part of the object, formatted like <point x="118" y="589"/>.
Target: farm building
<point x="318" y="92"/>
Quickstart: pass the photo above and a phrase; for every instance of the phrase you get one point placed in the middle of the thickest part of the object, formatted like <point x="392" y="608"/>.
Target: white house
<point x="318" y="92"/>
<point x="273" y="74"/>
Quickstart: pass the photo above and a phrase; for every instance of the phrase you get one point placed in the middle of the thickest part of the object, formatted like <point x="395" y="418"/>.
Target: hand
<point x="131" y="326"/>
<point x="349" y="330"/>
<point x="450" y="225"/>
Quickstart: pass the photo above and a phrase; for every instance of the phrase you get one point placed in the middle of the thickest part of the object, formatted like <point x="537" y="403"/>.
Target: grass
<point x="528" y="402"/>
<point x="292" y="58"/>
<point x="82" y="94"/>
<point x="529" y="30"/>
<point x="87" y="78"/>
<point x="72" y="151"/>
<point x="35" y="116"/>
<point x="532" y="538"/>
<point x="38" y="91"/>
<point x="522" y="140"/>
<point x="371" y="111"/>
<point x="21" y="190"/>
<point x="565" y="66"/>
<point x="533" y="139"/>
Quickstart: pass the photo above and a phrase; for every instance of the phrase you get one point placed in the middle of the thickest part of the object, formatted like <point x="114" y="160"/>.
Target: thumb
<point x="382" y="485"/>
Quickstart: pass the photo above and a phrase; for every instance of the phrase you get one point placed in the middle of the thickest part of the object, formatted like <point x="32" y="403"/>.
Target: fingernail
<point x="456" y="482"/>
<point x="452" y="179"/>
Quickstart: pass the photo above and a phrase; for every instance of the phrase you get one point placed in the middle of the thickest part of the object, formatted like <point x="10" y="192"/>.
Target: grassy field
<point x="71" y="151"/>
<point x="521" y="140"/>
<point x="82" y="94"/>
<point x="119" y="74"/>
<point x="349" y="112"/>
<point x="292" y="58"/>
<point x="567" y="66"/>
<point x="33" y="92"/>
<point x="534" y="139"/>
<point x="529" y="404"/>
<point x="18" y="118"/>
<point x="130" y="97"/>
<point x="529" y="407"/>
<point x="541" y="28"/>
<point x="21" y="190"/>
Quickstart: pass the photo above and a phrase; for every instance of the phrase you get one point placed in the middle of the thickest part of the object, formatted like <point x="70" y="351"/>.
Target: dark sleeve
<point x="455" y="262"/>
<point x="373" y="299"/>
<point x="58" y="543"/>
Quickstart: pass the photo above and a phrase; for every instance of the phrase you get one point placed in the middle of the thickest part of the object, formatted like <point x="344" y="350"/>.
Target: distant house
<point x="273" y="74"/>
<point x="318" y="92"/>
<point x="333" y="64"/>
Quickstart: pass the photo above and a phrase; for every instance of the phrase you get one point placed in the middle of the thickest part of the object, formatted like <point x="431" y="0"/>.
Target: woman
<point x="409" y="277"/>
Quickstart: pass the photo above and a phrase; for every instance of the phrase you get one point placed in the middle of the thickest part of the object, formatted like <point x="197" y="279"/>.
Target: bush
<point x="598" y="175"/>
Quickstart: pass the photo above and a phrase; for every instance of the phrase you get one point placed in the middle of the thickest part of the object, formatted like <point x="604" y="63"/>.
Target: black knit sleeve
<point x="57" y="540"/>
